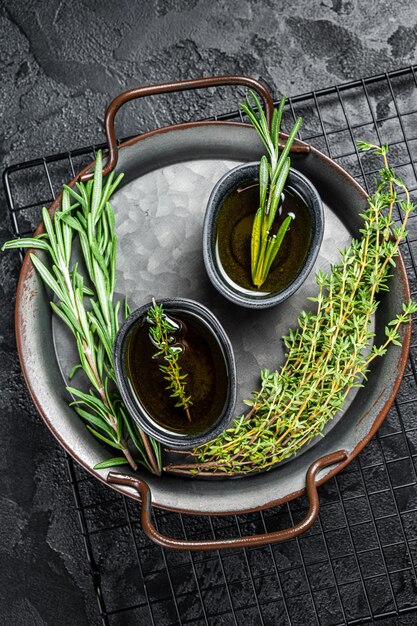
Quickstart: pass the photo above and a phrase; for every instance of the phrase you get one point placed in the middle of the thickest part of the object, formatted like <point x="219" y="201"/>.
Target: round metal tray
<point x="159" y="214"/>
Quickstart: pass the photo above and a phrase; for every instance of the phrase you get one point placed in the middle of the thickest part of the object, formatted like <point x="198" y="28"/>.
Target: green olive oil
<point x="233" y="239"/>
<point x="201" y="359"/>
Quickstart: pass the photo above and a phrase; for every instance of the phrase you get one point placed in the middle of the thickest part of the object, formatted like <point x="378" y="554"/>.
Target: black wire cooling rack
<point x="358" y="562"/>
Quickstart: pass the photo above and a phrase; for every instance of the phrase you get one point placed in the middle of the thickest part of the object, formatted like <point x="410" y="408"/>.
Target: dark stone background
<point x="61" y="62"/>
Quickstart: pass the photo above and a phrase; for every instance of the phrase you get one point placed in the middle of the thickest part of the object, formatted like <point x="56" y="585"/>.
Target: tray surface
<point x="159" y="215"/>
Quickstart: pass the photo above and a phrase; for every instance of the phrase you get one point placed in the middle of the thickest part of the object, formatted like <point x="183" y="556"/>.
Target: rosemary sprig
<point x="273" y="175"/>
<point x="328" y="353"/>
<point x="84" y="302"/>
<point x="160" y="332"/>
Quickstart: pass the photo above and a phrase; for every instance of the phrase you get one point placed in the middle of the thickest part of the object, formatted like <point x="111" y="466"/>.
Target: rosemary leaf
<point x="74" y="369"/>
<point x="276" y="123"/>
<point x="27" y="242"/>
<point x="97" y="187"/>
<point x="263" y="180"/>
<point x="275" y="245"/>
<point x="276" y="193"/>
<point x="46" y="276"/>
<point x="93" y="419"/>
<point x="272" y="178"/>
<point x="114" y="462"/>
<point x="107" y="440"/>
<point x="82" y="201"/>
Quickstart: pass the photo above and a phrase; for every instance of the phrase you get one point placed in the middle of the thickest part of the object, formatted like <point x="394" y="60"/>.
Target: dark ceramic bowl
<point x="162" y="433"/>
<point x="229" y="182"/>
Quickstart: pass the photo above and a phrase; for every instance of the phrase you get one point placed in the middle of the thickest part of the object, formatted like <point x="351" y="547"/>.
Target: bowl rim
<point x="218" y="192"/>
<point x="166" y="437"/>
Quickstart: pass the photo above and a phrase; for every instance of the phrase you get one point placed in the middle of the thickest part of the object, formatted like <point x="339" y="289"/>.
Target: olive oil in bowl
<point x="233" y="239"/>
<point x="227" y="235"/>
<point x="205" y="359"/>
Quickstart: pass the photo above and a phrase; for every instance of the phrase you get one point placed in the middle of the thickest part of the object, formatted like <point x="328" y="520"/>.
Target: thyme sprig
<point x="329" y="352"/>
<point x="160" y="331"/>
<point x="84" y="302"/>
<point x="273" y="175"/>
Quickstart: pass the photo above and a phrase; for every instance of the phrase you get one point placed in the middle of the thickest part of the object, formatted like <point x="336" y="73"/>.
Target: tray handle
<point x="240" y="542"/>
<point x="183" y="85"/>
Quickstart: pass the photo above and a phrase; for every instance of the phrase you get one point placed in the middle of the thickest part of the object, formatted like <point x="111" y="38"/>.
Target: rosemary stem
<point x="91" y="361"/>
<point x="151" y="456"/>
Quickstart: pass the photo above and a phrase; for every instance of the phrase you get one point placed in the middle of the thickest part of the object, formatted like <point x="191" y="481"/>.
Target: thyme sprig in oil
<point x="160" y="330"/>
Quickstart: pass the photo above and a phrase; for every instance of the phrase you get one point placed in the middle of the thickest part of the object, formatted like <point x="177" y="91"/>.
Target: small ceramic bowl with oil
<point x="227" y="237"/>
<point x="205" y="357"/>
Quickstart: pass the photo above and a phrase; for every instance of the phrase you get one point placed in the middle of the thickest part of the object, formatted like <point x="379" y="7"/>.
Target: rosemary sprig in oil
<point x="160" y="330"/>
<point x="328" y="353"/>
<point x="273" y="175"/>
<point x="84" y="302"/>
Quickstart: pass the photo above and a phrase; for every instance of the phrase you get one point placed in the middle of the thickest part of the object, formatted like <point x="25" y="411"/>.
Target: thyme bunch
<point x="327" y="353"/>
<point x="273" y="175"/>
<point x="84" y="302"/>
<point x="160" y="332"/>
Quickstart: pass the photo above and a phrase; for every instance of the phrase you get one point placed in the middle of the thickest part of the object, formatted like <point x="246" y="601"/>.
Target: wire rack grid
<point x="357" y="564"/>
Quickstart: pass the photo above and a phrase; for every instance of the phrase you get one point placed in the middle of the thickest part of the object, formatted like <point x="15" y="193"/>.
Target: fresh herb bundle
<point x="328" y="353"/>
<point x="160" y="332"/>
<point x="84" y="302"/>
<point x="273" y="175"/>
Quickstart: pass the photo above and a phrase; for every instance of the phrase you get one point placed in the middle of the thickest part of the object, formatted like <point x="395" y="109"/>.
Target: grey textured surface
<point x="60" y="64"/>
